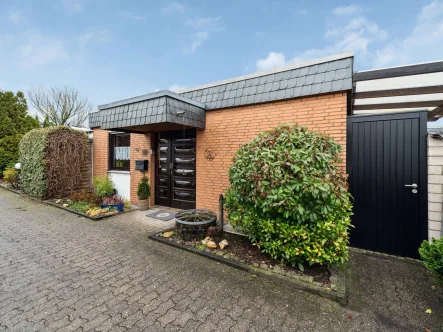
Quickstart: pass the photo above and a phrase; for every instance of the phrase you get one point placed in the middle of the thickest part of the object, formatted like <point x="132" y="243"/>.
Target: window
<point x="119" y="155"/>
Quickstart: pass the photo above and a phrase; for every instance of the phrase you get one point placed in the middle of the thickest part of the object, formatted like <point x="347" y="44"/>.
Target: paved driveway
<point x="59" y="272"/>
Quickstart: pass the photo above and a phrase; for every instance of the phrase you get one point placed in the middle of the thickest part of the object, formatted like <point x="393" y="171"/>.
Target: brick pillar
<point x="141" y="150"/>
<point x="100" y="152"/>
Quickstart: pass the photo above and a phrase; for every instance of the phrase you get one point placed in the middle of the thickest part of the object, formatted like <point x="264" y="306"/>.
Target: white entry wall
<point x="121" y="181"/>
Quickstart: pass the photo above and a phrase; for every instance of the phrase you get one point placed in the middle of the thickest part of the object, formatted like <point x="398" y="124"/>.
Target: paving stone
<point x="62" y="273"/>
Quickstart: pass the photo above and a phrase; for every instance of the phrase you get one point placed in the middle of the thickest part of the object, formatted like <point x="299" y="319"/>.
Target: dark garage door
<point x="386" y="159"/>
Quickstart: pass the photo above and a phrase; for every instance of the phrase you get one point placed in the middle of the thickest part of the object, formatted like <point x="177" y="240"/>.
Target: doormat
<point x="162" y="215"/>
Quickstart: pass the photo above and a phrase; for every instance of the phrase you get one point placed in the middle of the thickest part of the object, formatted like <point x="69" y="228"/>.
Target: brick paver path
<point x="60" y="272"/>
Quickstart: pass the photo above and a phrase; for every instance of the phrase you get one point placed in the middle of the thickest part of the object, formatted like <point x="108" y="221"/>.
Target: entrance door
<point x="387" y="167"/>
<point x="175" y="169"/>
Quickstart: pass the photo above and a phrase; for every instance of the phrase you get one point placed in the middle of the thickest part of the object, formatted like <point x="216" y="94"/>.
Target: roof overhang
<point x="400" y="88"/>
<point x="158" y="111"/>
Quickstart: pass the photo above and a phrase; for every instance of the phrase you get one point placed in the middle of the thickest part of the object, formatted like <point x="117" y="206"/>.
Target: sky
<point x="111" y="50"/>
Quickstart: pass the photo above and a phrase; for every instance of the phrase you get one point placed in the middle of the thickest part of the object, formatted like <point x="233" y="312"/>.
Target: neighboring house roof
<point x="400" y="89"/>
<point x="320" y="76"/>
<point x="155" y="108"/>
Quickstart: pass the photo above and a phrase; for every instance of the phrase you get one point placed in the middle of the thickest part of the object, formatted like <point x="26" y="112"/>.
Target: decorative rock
<point x="334" y="287"/>
<point x="226" y="255"/>
<point x="294" y="275"/>
<point x="208" y="250"/>
<point x="206" y="240"/>
<point x="256" y="264"/>
<point x="307" y="279"/>
<point x="65" y="205"/>
<point x="168" y="234"/>
<point x="223" y="244"/>
<point x="211" y="244"/>
<point x="58" y="201"/>
<point x="189" y="243"/>
<point x="277" y="269"/>
<point x="264" y="266"/>
<point x="316" y="283"/>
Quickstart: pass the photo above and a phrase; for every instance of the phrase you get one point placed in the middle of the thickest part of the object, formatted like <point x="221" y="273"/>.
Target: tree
<point x="60" y="106"/>
<point x="14" y="122"/>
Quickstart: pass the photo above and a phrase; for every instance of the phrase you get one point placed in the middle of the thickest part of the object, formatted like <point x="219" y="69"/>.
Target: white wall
<point x="122" y="182"/>
<point x="435" y="186"/>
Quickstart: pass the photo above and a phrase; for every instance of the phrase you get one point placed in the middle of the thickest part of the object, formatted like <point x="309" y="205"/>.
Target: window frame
<point x="111" y="146"/>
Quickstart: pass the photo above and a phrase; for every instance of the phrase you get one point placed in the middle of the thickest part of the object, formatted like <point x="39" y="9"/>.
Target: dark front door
<point x="175" y="169"/>
<point x="387" y="167"/>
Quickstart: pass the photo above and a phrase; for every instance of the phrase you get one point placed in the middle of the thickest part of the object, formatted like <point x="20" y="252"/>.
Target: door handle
<point x="414" y="185"/>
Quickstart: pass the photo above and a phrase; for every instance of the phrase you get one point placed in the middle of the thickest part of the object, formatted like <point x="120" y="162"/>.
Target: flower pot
<point x="143" y="204"/>
<point x="118" y="207"/>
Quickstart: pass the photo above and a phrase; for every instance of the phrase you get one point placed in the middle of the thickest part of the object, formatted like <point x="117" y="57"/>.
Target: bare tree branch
<point x="62" y="106"/>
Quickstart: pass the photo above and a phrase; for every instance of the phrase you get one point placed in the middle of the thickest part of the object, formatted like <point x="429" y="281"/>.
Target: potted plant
<point x="143" y="194"/>
<point x="113" y="202"/>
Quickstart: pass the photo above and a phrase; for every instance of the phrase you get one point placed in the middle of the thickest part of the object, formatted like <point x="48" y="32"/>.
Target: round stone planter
<point x="194" y="224"/>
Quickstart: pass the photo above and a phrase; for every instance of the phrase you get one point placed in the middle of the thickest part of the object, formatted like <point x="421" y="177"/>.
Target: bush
<point x="144" y="189"/>
<point x="11" y="177"/>
<point x="289" y="197"/>
<point x="103" y="186"/>
<point x="432" y="255"/>
<point x="9" y="151"/>
<point x="51" y="161"/>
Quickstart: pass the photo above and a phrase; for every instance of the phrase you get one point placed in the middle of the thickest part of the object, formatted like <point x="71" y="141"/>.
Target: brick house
<point x="190" y="137"/>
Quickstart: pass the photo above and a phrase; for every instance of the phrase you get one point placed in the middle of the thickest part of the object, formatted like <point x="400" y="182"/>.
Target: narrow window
<point x="119" y="155"/>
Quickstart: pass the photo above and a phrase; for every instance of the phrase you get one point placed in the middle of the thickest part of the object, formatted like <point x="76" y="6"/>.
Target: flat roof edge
<point x="152" y="95"/>
<point x="312" y="62"/>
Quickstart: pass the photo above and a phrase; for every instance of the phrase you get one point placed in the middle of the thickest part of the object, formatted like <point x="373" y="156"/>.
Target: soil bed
<point x="241" y="249"/>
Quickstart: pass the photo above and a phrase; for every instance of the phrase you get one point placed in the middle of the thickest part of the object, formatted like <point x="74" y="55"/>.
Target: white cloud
<point x="204" y="23"/>
<point x="134" y="16"/>
<point x="355" y="35"/>
<point x="426" y="38"/>
<point x="346" y="10"/>
<point x="273" y="60"/>
<point x="177" y="87"/>
<point x="39" y="50"/>
<point x="302" y="12"/>
<point x="15" y="16"/>
<point x="174" y="7"/>
<point x="204" y="27"/>
<point x="94" y="35"/>
<point x="197" y="40"/>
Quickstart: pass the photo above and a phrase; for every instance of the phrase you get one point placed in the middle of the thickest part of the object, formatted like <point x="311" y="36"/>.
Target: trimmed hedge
<point x="289" y="197"/>
<point x="51" y="159"/>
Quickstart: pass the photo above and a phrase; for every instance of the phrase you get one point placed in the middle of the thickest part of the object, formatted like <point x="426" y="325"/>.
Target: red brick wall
<point x="228" y="128"/>
<point x="100" y="152"/>
<point x="142" y="143"/>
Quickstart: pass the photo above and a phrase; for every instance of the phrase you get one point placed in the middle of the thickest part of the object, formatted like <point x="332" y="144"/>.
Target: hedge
<point x="51" y="159"/>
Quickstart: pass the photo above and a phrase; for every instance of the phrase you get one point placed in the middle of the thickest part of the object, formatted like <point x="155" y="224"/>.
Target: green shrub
<point x="51" y="160"/>
<point x="289" y="197"/>
<point x="80" y="206"/>
<point x="9" y="151"/>
<point x="103" y="186"/>
<point x="144" y="189"/>
<point x="432" y="255"/>
<point x="11" y="177"/>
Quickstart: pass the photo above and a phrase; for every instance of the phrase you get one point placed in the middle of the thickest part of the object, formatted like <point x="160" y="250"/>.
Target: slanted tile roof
<point x="319" y="76"/>
<point x="329" y="74"/>
<point x="154" y="108"/>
